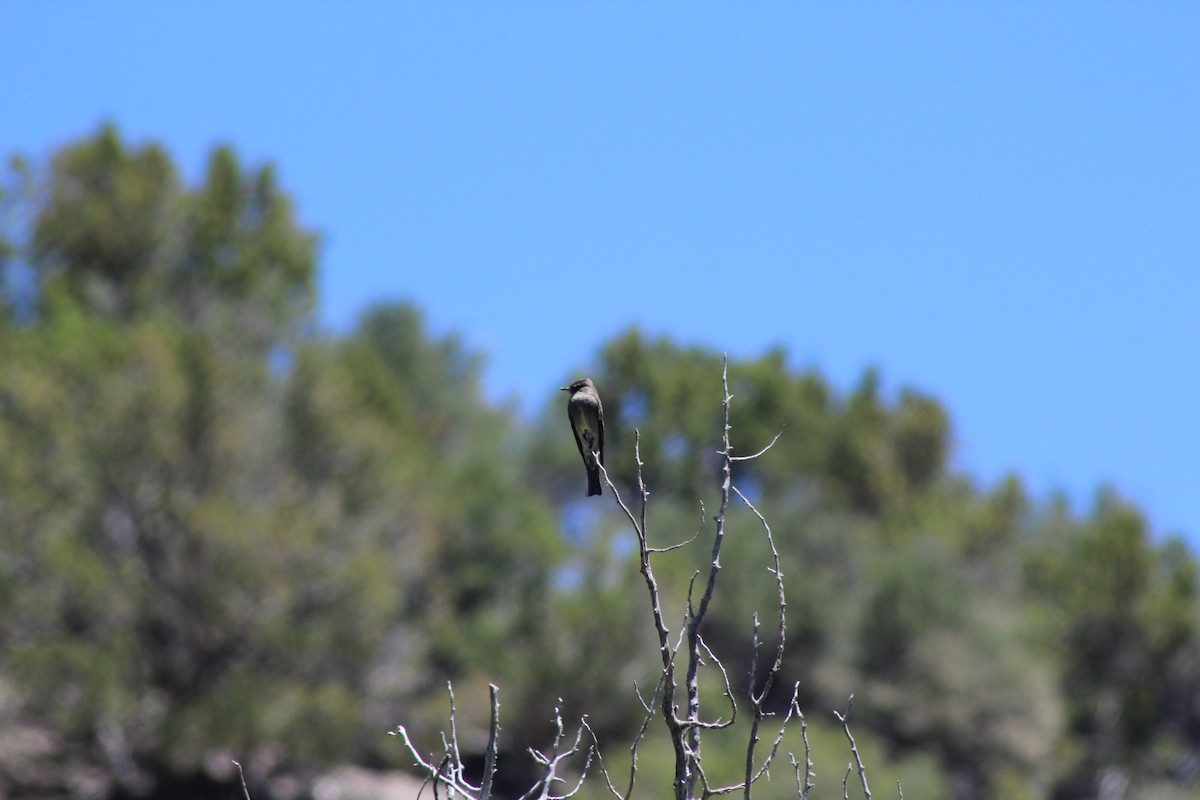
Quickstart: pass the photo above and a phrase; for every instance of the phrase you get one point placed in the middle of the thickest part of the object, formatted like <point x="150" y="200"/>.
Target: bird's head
<point x="579" y="385"/>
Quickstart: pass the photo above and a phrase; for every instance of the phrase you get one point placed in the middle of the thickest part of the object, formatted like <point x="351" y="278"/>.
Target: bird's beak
<point x="564" y="388"/>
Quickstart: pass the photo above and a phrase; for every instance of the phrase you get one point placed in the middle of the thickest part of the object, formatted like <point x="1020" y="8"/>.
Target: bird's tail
<point x="594" y="481"/>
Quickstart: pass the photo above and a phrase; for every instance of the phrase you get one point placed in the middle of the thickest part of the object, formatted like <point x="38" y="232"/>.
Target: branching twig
<point x="683" y="544"/>
<point x="551" y="762"/>
<point x="719" y="723"/>
<point x="687" y="771"/>
<point x="438" y="772"/>
<point x="803" y="789"/>
<point x="760" y="452"/>
<point x="862" y="772"/>
<point x="450" y="772"/>
<point x="667" y="681"/>
<point x="758" y="698"/>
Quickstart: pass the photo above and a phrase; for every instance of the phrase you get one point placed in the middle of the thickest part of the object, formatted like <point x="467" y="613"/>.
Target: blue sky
<point x="996" y="202"/>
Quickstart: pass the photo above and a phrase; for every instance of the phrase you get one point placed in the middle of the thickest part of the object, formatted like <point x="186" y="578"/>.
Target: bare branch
<point x="242" y="776"/>
<point x="746" y="784"/>
<point x="758" y="697"/>
<point x="778" y="573"/>
<point x="801" y="789"/>
<point x="719" y="536"/>
<point x="437" y="772"/>
<point x="600" y="760"/>
<point x="862" y="772"/>
<point x="457" y="762"/>
<point x="489" y="758"/>
<point x="666" y="653"/>
<point x="686" y="737"/>
<point x="617" y="494"/>
<point x="808" y="765"/>
<point x="553" y="761"/>
<point x="760" y="452"/>
<point x="718" y="723"/>
<point x="695" y="536"/>
<point x="792" y="707"/>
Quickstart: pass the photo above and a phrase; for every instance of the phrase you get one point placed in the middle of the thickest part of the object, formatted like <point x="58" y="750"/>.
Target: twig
<point x="551" y="762"/>
<point x="666" y="653"/>
<point x="695" y="536"/>
<point x="718" y="723"/>
<point x="242" y="776"/>
<point x="862" y="772"/>
<point x="808" y="765"/>
<point x="489" y="759"/>
<point x="758" y="699"/>
<point x="760" y="452"/>
<point x="449" y="770"/>
<point x="801" y="789"/>
<point x="437" y="772"/>
<point x="687" y="762"/>
<point x="453" y="727"/>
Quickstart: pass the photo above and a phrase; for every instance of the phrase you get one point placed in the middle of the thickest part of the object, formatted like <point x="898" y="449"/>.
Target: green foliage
<point x="115" y="230"/>
<point x="205" y="554"/>
<point x="106" y="224"/>
<point x="1126" y="613"/>
<point x="222" y="535"/>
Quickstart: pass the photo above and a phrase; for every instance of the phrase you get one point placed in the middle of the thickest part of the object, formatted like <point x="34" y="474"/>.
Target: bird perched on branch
<point x="587" y="423"/>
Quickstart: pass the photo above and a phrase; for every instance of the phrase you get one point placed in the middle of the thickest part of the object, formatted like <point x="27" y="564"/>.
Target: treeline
<point x="225" y="535"/>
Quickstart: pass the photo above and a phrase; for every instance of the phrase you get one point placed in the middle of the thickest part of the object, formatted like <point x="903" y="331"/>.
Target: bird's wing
<point x="578" y="442"/>
<point x="600" y="424"/>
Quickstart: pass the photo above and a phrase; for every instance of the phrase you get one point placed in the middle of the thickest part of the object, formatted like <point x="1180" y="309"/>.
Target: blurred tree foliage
<point x="224" y="535"/>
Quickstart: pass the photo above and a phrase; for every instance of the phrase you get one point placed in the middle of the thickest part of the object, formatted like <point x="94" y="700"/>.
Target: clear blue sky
<point x="996" y="202"/>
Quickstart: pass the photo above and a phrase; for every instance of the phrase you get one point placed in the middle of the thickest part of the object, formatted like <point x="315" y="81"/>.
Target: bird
<point x="587" y="423"/>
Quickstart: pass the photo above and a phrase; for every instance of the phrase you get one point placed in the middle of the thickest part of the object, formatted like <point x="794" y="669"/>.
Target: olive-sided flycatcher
<point x="587" y="423"/>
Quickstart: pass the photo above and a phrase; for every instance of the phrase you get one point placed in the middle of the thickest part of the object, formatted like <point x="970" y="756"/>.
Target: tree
<point x="211" y="551"/>
<point x="117" y="232"/>
<point x="1125" y="612"/>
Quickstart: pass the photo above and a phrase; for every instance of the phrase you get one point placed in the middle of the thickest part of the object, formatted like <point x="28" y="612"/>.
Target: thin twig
<point x="552" y="762"/>
<point x="760" y="452"/>
<point x="719" y="723"/>
<point x="242" y="776"/>
<point x="862" y="772"/>
<point x="800" y="791"/>
<point x="808" y="765"/>
<point x="695" y="536"/>
<point x="489" y="758"/>
<point x="758" y="698"/>
<point x="437" y="772"/>
<point x="794" y="706"/>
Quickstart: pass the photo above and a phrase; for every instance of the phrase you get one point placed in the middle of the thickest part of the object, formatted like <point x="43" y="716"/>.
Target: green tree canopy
<point x="208" y="554"/>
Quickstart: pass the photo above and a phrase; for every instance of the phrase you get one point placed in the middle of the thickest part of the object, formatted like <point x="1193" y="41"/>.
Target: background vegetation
<point x="225" y="534"/>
